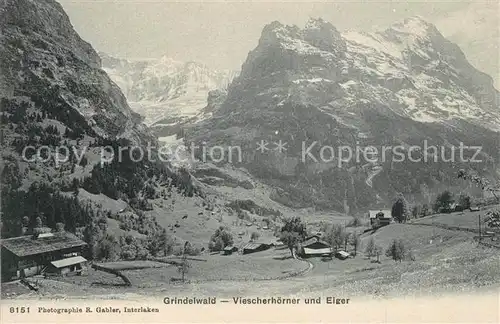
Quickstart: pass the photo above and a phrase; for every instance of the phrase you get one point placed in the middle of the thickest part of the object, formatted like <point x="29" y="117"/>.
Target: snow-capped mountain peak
<point x="415" y="26"/>
<point x="165" y="87"/>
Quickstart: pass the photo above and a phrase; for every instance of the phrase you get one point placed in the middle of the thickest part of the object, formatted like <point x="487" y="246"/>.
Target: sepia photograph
<point x="250" y="161"/>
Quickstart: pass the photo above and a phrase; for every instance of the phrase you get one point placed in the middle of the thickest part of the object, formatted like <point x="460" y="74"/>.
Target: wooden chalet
<point x="314" y="246"/>
<point x="30" y="255"/>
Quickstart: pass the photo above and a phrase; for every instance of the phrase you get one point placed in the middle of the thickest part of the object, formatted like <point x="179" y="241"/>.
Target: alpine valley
<point x="65" y="109"/>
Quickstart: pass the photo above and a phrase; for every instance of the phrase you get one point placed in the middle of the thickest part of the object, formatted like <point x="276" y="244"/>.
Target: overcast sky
<point x="220" y="34"/>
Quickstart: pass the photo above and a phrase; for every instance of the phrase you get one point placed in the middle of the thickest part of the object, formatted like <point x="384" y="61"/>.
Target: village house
<point x="380" y="217"/>
<point x="314" y="246"/>
<point x="255" y="247"/>
<point x="31" y="255"/>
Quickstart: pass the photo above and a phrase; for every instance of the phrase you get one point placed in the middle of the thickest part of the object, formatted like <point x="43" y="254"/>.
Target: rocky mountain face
<point x="402" y="86"/>
<point x="163" y="90"/>
<point x="59" y="110"/>
<point x="43" y="59"/>
<point x="62" y="116"/>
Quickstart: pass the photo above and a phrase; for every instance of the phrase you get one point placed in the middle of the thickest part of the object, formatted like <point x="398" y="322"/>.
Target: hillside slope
<point x="61" y="118"/>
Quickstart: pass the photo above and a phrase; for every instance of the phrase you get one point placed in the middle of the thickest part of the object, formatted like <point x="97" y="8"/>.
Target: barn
<point x="255" y="247"/>
<point x="314" y="246"/>
<point x="30" y="255"/>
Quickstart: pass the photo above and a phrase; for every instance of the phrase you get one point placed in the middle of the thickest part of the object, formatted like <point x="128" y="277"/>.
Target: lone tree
<point x="425" y="210"/>
<point x="293" y="232"/>
<point x="443" y="201"/>
<point x="481" y="182"/>
<point x="254" y="236"/>
<point x="355" y="242"/>
<point x="370" y="247"/>
<point x="397" y="250"/>
<point x="336" y="236"/>
<point x="378" y="251"/>
<point x="347" y="238"/>
<point x="185" y="265"/>
<point x="400" y="209"/>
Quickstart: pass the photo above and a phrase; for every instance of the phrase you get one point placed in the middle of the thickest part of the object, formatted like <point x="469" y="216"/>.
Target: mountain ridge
<point x="317" y="84"/>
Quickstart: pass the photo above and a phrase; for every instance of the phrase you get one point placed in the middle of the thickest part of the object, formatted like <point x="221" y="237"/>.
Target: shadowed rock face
<point x="43" y="57"/>
<point x="401" y="86"/>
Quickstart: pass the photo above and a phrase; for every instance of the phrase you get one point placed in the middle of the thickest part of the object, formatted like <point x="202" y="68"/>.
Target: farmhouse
<point x="380" y="217"/>
<point x="30" y="255"/>
<point x="314" y="246"/>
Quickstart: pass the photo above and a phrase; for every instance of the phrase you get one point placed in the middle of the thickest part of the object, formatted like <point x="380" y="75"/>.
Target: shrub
<point x="443" y="202"/>
<point x="355" y="222"/>
<point x="464" y="201"/>
<point x="397" y="250"/>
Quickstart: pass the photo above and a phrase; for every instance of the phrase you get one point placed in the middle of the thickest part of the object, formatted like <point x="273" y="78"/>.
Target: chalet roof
<point x="254" y="245"/>
<point x="68" y="262"/>
<point x="373" y="213"/>
<point x="251" y="246"/>
<point x="318" y="251"/>
<point x="310" y="241"/>
<point x="26" y="245"/>
<point x="313" y="239"/>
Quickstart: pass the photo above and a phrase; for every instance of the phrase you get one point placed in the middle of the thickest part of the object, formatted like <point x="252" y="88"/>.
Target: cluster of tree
<point x="396" y="250"/>
<point x="48" y="100"/>
<point x="482" y="182"/>
<point x="42" y="200"/>
<point x="372" y="249"/>
<point x="446" y="199"/>
<point x="24" y="212"/>
<point x="293" y="232"/>
<point x="73" y="134"/>
<point x="220" y="239"/>
<point x="10" y="178"/>
<point x="339" y="238"/>
<point x="103" y="245"/>
<point x="401" y="210"/>
<point x="126" y="177"/>
<point x="251" y="206"/>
